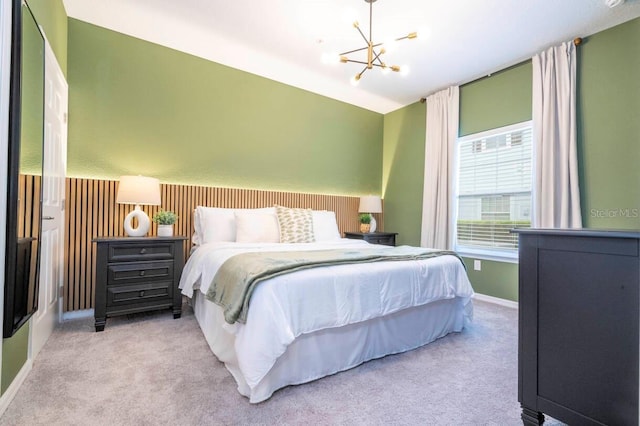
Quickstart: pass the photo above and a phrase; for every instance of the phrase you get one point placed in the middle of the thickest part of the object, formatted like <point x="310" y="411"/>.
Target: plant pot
<point x="165" y="230"/>
<point x="365" y="227"/>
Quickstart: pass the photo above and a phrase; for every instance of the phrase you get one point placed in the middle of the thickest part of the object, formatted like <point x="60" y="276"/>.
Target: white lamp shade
<point x="370" y="204"/>
<point x="138" y="190"/>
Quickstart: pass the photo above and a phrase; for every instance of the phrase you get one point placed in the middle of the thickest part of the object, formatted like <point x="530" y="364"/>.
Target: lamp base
<point x="144" y="223"/>
<point x="373" y="223"/>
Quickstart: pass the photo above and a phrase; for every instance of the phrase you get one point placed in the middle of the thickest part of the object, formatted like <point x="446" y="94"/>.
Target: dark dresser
<point x="578" y="326"/>
<point x="384" y="238"/>
<point x="137" y="274"/>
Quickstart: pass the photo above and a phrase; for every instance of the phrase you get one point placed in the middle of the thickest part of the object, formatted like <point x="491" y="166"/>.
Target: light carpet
<point x="149" y="369"/>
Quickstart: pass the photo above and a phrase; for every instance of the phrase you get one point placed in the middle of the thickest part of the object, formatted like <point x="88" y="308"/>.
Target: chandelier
<point x="374" y="51"/>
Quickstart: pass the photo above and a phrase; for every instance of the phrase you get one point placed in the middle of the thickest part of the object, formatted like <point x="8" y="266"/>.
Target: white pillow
<point x="325" y="226"/>
<point x="257" y="227"/>
<point x="215" y="224"/>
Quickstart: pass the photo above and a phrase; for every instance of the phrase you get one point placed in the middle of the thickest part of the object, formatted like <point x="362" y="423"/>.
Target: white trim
<point x="487" y="254"/>
<point x="73" y="315"/>
<point x="496" y="300"/>
<point x="13" y="388"/>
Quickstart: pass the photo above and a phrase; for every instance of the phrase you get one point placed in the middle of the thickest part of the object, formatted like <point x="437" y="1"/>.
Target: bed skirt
<point x="329" y="351"/>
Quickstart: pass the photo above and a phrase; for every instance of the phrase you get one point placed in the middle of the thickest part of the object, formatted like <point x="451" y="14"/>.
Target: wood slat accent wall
<point x="92" y="211"/>
<point x="28" y="203"/>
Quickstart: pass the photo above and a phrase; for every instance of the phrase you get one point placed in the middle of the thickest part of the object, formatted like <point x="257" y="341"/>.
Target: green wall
<point x="32" y="92"/>
<point x="139" y="108"/>
<point x="14" y="355"/>
<point x="608" y="141"/>
<point x="502" y="99"/>
<point x="52" y="16"/>
<point x="609" y="128"/>
<point x="403" y="159"/>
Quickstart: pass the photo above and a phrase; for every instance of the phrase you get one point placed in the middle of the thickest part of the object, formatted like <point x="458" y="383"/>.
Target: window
<point x="493" y="187"/>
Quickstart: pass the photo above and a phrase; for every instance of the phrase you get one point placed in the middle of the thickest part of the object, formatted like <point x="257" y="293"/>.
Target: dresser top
<point x="585" y="232"/>
<point x="373" y="234"/>
<point x="138" y="239"/>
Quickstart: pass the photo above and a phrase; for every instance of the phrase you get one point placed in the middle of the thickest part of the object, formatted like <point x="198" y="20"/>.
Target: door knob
<point x="48" y="218"/>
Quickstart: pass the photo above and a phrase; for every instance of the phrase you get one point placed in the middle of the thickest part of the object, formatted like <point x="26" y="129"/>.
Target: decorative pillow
<point x="325" y="226"/>
<point x="296" y="225"/>
<point x="215" y="224"/>
<point x="257" y="228"/>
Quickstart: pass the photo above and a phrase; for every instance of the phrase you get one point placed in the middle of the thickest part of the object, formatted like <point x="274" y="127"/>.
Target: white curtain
<point x="556" y="196"/>
<point x="442" y="132"/>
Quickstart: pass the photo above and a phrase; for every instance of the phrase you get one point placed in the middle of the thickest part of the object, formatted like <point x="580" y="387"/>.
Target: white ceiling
<point x="284" y="39"/>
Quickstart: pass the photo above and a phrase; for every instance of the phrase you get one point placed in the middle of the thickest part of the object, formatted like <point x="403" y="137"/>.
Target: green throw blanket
<point x="236" y="279"/>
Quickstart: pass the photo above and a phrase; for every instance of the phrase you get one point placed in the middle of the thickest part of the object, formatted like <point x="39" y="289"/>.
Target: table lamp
<point x="370" y="204"/>
<point x="138" y="190"/>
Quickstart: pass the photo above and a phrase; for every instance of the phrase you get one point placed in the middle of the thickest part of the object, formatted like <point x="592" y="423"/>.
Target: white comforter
<point x="289" y="305"/>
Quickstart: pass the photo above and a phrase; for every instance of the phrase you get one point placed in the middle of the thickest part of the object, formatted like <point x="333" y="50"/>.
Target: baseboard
<point x="73" y="315"/>
<point x="496" y="300"/>
<point x="13" y="388"/>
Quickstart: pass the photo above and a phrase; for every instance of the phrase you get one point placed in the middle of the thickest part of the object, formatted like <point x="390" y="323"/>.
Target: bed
<point x="311" y="323"/>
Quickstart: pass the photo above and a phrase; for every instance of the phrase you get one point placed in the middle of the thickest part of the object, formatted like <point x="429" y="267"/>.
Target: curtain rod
<point x="576" y="41"/>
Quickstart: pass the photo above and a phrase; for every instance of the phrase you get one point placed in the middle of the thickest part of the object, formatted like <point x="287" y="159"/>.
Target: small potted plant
<point x="165" y="221"/>
<point x="365" y="222"/>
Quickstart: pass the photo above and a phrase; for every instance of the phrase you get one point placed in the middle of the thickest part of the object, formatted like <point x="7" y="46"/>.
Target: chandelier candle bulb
<point x="390" y="45"/>
<point x="349" y="16"/>
<point x="331" y="58"/>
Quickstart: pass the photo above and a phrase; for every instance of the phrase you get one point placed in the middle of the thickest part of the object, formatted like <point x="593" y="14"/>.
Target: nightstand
<point x="137" y="274"/>
<point x="384" y="238"/>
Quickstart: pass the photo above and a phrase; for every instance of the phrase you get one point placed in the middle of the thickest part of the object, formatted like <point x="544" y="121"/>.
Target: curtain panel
<point x="556" y="194"/>
<point x="437" y="203"/>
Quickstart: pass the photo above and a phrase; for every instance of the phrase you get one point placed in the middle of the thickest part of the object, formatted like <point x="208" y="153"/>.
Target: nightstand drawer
<point x="384" y="238"/>
<point x="388" y="241"/>
<point x="132" y="273"/>
<point x="120" y="252"/>
<point x="139" y="293"/>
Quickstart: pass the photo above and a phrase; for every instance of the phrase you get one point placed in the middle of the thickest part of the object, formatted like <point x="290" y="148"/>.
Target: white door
<point x="53" y="183"/>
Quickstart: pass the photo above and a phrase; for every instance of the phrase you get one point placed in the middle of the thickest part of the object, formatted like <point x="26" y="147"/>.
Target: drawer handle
<point x="142" y="273"/>
<point x="143" y="251"/>
<point x="141" y="293"/>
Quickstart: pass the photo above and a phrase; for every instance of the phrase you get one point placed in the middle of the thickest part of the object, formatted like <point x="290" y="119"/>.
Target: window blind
<point x="494" y="187"/>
